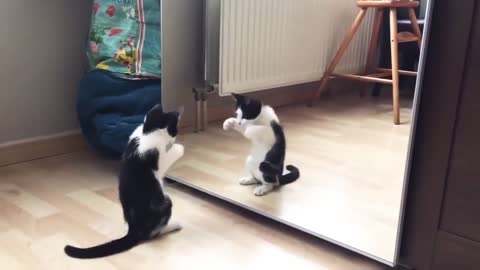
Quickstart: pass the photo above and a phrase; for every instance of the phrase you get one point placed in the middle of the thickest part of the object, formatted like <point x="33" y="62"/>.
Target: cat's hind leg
<point x="162" y="230"/>
<point x="170" y="227"/>
<point x="248" y="180"/>
<point x="263" y="189"/>
<point x="269" y="181"/>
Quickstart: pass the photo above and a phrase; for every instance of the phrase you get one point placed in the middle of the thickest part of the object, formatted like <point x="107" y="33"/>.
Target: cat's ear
<point x="236" y="96"/>
<point x="240" y="99"/>
<point x="178" y="113"/>
<point x="157" y="107"/>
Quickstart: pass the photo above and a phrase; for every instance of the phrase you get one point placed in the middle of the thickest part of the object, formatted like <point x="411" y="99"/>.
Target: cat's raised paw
<point x="262" y="190"/>
<point x="179" y="149"/>
<point x="248" y="181"/>
<point x="229" y="123"/>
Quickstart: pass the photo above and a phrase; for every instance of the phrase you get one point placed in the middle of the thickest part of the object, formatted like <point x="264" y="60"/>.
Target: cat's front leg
<point x="250" y="179"/>
<point x="176" y="152"/>
<point x="171" y="156"/>
<point x="259" y="133"/>
<point x="229" y="123"/>
<point x="233" y="123"/>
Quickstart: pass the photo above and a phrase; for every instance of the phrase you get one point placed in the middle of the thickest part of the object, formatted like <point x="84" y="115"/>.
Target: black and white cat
<point x="150" y="152"/>
<point x="260" y="124"/>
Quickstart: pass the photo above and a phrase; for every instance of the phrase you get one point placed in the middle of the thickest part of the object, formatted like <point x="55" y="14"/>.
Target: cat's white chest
<point x="257" y="156"/>
<point x="259" y="151"/>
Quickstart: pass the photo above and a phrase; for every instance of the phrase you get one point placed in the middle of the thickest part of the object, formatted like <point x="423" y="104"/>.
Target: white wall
<point x="42" y="57"/>
<point x="212" y="40"/>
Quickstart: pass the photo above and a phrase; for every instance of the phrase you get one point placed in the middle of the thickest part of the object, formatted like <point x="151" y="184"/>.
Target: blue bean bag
<point x="110" y="108"/>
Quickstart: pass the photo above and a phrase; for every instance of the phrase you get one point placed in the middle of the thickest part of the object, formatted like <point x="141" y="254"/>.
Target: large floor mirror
<point x="349" y="139"/>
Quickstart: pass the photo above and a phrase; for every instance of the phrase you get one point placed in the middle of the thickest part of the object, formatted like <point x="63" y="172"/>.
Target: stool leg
<point x="338" y="56"/>
<point x="372" y="50"/>
<point x="415" y="26"/>
<point x="395" y="76"/>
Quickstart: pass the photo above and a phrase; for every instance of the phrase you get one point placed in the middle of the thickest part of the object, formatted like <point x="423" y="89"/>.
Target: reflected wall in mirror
<point x="351" y="154"/>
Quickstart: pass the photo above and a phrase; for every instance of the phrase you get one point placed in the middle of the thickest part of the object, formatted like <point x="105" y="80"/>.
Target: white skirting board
<point x="41" y="147"/>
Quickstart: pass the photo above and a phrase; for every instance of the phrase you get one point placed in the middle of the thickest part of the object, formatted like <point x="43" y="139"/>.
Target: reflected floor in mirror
<point x="351" y="159"/>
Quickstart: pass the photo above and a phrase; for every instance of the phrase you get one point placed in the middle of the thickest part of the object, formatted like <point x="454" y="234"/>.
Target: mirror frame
<point x="180" y="76"/>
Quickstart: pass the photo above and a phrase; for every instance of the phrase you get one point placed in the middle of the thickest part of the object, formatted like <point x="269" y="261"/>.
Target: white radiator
<point x="271" y="43"/>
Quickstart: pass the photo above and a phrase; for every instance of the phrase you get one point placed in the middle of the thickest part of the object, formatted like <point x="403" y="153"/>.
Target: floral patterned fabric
<point x="124" y="37"/>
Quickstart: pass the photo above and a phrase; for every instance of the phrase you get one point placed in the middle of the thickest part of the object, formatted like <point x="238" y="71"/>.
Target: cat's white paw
<point x="248" y="181"/>
<point x="179" y="149"/>
<point x="229" y="123"/>
<point x="170" y="227"/>
<point x="174" y="226"/>
<point x="240" y="126"/>
<point x="262" y="190"/>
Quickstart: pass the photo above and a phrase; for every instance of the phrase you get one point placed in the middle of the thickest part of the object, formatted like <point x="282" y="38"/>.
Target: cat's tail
<point x="116" y="246"/>
<point x="290" y="177"/>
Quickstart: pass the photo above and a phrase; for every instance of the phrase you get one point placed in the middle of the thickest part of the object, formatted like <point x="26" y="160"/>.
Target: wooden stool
<point x="377" y="75"/>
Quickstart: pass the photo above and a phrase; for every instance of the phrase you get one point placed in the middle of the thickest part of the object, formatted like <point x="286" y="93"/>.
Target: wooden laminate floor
<point x="352" y="160"/>
<point x="45" y="204"/>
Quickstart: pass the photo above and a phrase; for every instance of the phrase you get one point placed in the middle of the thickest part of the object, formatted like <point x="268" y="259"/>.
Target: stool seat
<point x="387" y="4"/>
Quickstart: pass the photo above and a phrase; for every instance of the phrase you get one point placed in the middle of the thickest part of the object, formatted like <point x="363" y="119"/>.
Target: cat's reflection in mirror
<point x="264" y="165"/>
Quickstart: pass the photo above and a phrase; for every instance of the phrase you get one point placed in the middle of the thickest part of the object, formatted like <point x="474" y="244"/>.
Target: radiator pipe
<point x="198" y="110"/>
<point x="210" y="89"/>
<point x="204" y="110"/>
